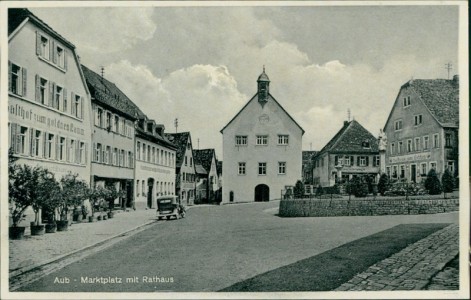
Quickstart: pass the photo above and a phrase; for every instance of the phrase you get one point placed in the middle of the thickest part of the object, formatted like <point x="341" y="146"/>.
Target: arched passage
<point x="262" y="193"/>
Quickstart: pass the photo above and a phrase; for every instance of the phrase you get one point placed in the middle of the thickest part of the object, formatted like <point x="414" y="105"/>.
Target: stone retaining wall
<point x="365" y="207"/>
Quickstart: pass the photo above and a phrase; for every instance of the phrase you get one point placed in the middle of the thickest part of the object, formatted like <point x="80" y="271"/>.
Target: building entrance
<point x="262" y="193"/>
<point x="150" y="187"/>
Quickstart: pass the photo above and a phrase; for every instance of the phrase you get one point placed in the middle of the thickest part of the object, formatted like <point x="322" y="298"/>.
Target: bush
<point x="358" y="187"/>
<point x="73" y="192"/>
<point x="298" y="190"/>
<point x="22" y="190"/>
<point x="447" y="182"/>
<point x="432" y="183"/>
<point x="319" y="191"/>
<point x="383" y="184"/>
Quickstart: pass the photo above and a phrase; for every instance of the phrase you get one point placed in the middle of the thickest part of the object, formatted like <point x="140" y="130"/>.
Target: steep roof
<point x="156" y="138"/>
<point x="441" y="96"/>
<point x="106" y="92"/>
<point x="200" y="170"/>
<point x="254" y="98"/>
<point x="180" y="140"/>
<point x="350" y="139"/>
<point x="204" y="158"/>
<point x="16" y="16"/>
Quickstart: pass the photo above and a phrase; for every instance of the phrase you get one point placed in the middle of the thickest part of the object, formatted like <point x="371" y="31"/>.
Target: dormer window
<point x="365" y="144"/>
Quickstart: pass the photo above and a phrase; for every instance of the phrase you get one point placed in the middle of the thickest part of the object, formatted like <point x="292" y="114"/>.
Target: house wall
<point x="38" y="118"/>
<point x="187" y="186"/>
<point x="417" y="157"/>
<point x="255" y="120"/>
<point x="156" y="172"/>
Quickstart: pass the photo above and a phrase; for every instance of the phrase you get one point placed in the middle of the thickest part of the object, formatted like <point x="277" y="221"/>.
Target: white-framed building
<point x="49" y="113"/>
<point x="261" y="149"/>
<point x="155" y="164"/>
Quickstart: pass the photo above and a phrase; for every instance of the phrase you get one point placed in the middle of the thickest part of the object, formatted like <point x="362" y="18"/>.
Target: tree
<point x="110" y="194"/>
<point x="22" y="190"/>
<point x="96" y="195"/>
<point x="447" y="181"/>
<point x="47" y="193"/>
<point x="73" y="192"/>
<point x="383" y="184"/>
<point x="432" y="183"/>
<point x="298" y="189"/>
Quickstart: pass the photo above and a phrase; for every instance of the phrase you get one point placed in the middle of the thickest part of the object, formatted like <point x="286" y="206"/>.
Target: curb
<point x="27" y="269"/>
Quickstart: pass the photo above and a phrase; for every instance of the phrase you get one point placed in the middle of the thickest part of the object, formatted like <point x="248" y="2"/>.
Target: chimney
<point x="345" y="123"/>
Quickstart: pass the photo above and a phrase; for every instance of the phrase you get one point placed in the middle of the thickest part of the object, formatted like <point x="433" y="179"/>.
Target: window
<point x="98" y="152"/>
<point x="362" y="161"/>
<point x="283" y="139"/>
<point x="82" y="152"/>
<point x="423" y="169"/>
<point x="123" y="126"/>
<point x="403" y="171"/>
<point x="262" y="168"/>
<point x="447" y="140"/>
<point x="433" y="165"/>
<point x="417" y="144"/>
<point x="392" y="148"/>
<point x="138" y="150"/>
<point x="43" y="47"/>
<point x="115" y="156"/>
<point x="365" y="144"/>
<point x="153" y="155"/>
<point x="394" y="175"/>
<point x="143" y="187"/>
<point x="347" y="160"/>
<point x="106" y="155"/>
<point x="186" y="161"/>
<point x="191" y="161"/>
<point x="42" y="85"/>
<point x="108" y="121"/>
<point x="417" y="120"/>
<point x="70" y="151"/>
<point x="61" y="154"/>
<point x="409" y="145"/>
<point x="116" y="124"/>
<point x="130" y="160"/>
<point x="399" y="147"/>
<point x="426" y="142"/>
<point x="60" y="57"/>
<point x="262" y="139"/>
<point x="148" y="153"/>
<point x="17" y="79"/>
<point x="242" y="168"/>
<point x="406" y="101"/>
<point x="450" y="165"/>
<point x="20" y="134"/>
<point x="388" y="171"/>
<point x="122" y="156"/>
<point x="36" y="143"/>
<point x="162" y="157"/>
<point x="398" y="125"/>
<point x="281" y="167"/>
<point x="376" y="161"/>
<point x="137" y="187"/>
<point x="58" y="96"/>
<point x="436" y="142"/>
<point x="241" y="140"/>
<point x="76" y="106"/>
<point x="99" y="117"/>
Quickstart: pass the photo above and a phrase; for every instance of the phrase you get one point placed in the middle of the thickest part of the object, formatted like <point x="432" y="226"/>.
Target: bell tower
<point x="263" y="87"/>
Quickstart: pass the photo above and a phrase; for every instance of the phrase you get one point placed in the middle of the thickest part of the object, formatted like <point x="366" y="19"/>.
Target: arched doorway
<point x="150" y="187"/>
<point x="262" y="193"/>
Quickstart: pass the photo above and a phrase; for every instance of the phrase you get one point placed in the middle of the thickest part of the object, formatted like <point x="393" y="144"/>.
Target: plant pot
<point x="37" y="229"/>
<point x="91" y="219"/>
<point x="98" y="218"/>
<point x="110" y="214"/>
<point x="16" y="233"/>
<point x="62" y="225"/>
<point x="76" y="216"/>
<point x="105" y="217"/>
<point x="51" y="227"/>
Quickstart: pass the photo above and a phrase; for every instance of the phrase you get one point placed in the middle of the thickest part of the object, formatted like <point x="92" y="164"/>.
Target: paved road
<point x="214" y="247"/>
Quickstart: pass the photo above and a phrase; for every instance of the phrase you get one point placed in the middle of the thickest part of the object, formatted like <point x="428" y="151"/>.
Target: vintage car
<point x="169" y="206"/>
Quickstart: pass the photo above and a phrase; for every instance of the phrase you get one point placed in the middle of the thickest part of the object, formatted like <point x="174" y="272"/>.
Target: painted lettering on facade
<point x="157" y="170"/>
<point x="28" y="114"/>
<point x="410" y="158"/>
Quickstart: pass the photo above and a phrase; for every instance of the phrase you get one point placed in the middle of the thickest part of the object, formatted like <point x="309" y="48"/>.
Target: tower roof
<point x="263" y="76"/>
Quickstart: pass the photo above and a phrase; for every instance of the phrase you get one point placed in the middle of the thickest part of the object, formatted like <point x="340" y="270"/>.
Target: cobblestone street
<point x="420" y="266"/>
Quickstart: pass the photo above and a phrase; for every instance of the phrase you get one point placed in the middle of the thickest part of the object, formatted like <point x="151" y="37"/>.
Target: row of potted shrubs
<point x="36" y="187"/>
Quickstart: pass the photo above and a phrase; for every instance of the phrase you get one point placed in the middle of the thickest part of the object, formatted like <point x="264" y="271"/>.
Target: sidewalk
<point x="422" y="265"/>
<point x="33" y="251"/>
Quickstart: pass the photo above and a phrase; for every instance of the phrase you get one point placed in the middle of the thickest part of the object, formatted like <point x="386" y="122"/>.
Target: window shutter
<point x="38" y="44"/>
<point x="77" y="151"/>
<point x="81" y="108"/>
<point x="24" y="77"/>
<point x="13" y="127"/>
<point x="9" y="75"/>
<point x="336" y="160"/>
<point x="57" y="147"/>
<point x="352" y="160"/>
<point x="367" y="161"/>
<point x="51" y="93"/>
<point x="64" y="108"/>
<point x="37" y="95"/>
<point x="18" y="140"/>
<point x="44" y="144"/>
<point x="52" y="51"/>
<point x="86" y="153"/>
<point x="94" y="151"/>
<point x="358" y="160"/>
<point x="66" y="53"/>
<point x="31" y="139"/>
<point x="72" y="104"/>
<point x="55" y="57"/>
<point x="67" y="152"/>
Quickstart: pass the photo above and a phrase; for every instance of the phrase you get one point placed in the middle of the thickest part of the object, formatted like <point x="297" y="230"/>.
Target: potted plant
<point x="110" y="195"/>
<point x="47" y="191"/>
<point x="95" y="197"/>
<point x="22" y="184"/>
<point x="73" y="192"/>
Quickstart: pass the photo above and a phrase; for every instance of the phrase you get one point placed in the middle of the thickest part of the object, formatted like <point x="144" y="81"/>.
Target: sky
<point x="200" y="64"/>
